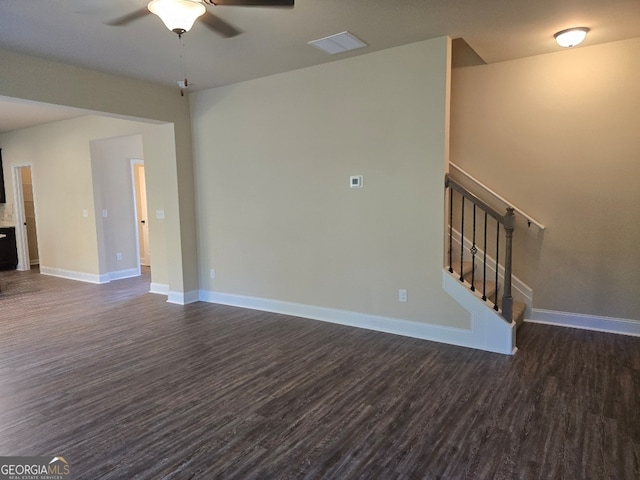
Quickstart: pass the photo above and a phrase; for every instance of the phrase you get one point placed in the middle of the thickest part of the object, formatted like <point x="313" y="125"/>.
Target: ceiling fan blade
<point x="218" y="25"/>
<point x="253" y="3"/>
<point x="128" y="18"/>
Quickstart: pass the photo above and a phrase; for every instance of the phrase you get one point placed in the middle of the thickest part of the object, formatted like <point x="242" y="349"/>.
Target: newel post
<point x="507" y="299"/>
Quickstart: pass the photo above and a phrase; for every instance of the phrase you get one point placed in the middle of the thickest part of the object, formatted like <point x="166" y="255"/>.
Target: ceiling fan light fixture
<point x="177" y="15"/>
<point x="571" y="36"/>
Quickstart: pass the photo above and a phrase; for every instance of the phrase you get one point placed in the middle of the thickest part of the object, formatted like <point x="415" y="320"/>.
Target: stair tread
<point x="490" y="288"/>
<point x="518" y="311"/>
<point x="518" y="306"/>
<point x="466" y="267"/>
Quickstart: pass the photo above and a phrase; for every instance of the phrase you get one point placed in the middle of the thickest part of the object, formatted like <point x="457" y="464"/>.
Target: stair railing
<point x="530" y="220"/>
<point x="507" y="220"/>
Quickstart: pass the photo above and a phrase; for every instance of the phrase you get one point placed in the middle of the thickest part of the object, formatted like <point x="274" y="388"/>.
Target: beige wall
<point x="170" y="187"/>
<point x="277" y="217"/>
<point x="113" y="192"/>
<point x="65" y="184"/>
<point x="559" y="136"/>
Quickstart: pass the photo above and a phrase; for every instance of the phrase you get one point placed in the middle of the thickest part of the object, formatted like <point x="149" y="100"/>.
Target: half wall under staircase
<point x="478" y="267"/>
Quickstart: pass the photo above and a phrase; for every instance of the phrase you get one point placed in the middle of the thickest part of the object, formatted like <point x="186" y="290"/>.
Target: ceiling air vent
<point x="338" y="43"/>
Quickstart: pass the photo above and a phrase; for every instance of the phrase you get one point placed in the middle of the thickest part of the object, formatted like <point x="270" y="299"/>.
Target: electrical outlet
<point x="118" y="256"/>
<point x="85" y="213"/>
<point x="105" y="213"/>
<point x="212" y="273"/>
<point x="402" y="295"/>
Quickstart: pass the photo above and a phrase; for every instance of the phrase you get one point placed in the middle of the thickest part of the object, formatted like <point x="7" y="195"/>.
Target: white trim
<point x="490" y="331"/>
<point x="71" y="275"/>
<point x="22" y="243"/>
<point x="159" y="288"/>
<point x="120" y="274"/>
<point x="622" y="326"/>
<point x="180" y="298"/>
<point x="486" y="333"/>
<point x="134" y="189"/>
<point x="89" y="277"/>
<point x="132" y="163"/>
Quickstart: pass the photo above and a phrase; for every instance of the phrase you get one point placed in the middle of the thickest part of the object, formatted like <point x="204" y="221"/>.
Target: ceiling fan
<point x="180" y="15"/>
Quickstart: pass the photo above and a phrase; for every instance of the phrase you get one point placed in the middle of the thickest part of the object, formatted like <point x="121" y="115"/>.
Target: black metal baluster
<point x="495" y="303"/>
<point x="473" y="252"/>
<point x="462" y="242"/>
<point x="450" y="230"/>
<point x="484" y="261"/>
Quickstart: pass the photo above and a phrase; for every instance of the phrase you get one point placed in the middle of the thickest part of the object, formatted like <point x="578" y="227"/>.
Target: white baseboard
<point x="89" y="277"/>
<point x="177" y="298"/>
<point x="474" y="338"/>
<point x="159" y="288"/>
<point x="119" y="275"/>
<point x="621" y="326"/>
<point x="180" y="298"/>
<point x="71" y="275"/>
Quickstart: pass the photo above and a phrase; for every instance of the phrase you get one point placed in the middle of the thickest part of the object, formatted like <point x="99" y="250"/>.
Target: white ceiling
<point x="275" y="40"/>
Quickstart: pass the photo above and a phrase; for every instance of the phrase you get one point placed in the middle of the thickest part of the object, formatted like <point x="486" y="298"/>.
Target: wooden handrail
<point x="529" y="218"/>
<point x="451" y="183"/>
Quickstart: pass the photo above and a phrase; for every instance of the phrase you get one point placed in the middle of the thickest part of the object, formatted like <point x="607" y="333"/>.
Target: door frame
<point x="22" y="241"/>
<point x="134" y="189"/>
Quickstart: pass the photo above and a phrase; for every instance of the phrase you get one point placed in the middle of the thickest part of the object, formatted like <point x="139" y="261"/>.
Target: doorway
<point x="26" y="231"/>
<point x="140" y="202"/>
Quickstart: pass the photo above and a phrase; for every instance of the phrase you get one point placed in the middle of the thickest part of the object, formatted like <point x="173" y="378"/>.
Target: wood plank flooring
<point x="127" y="386"/>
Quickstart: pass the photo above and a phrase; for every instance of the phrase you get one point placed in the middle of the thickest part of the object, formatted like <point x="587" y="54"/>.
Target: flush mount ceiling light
<point x="177" y="15"/>
<point x="571" y="36"/>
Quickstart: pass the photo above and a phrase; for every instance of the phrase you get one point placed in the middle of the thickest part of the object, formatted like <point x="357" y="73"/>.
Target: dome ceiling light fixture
<point x="571" y="36"/>
<point x="180" y="15"/>
<point x="177" y="15"/>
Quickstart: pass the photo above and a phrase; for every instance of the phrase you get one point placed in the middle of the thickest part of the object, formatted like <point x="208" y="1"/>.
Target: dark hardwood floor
<point x="125" y="385"/>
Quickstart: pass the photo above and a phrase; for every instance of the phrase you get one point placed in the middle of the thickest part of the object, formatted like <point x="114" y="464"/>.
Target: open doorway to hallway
<point x="26" y="230"/>
<point x="140" y="199"/>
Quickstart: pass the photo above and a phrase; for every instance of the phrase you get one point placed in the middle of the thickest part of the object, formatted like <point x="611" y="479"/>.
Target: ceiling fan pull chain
<point x="183" y="84"/>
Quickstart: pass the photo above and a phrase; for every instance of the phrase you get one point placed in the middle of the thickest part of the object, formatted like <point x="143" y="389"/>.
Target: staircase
<point x="479" y="250"/>
<point x="486" y="291"/>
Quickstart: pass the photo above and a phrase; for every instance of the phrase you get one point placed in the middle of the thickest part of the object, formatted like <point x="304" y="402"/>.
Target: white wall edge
<point x="407" y="328"/>
<point x="159" y="288"/>
<point x="180" y="298"/>
<point x="71" y="275"/>
<point x="620" y="326"/>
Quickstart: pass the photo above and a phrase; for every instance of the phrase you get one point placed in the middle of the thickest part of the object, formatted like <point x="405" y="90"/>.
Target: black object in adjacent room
<point x="3" y="198"/>
<point x="8" y="251"/>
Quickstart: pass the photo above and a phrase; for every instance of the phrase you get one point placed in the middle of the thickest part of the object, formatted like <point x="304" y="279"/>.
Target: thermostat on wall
<point x="355" y="181"/>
